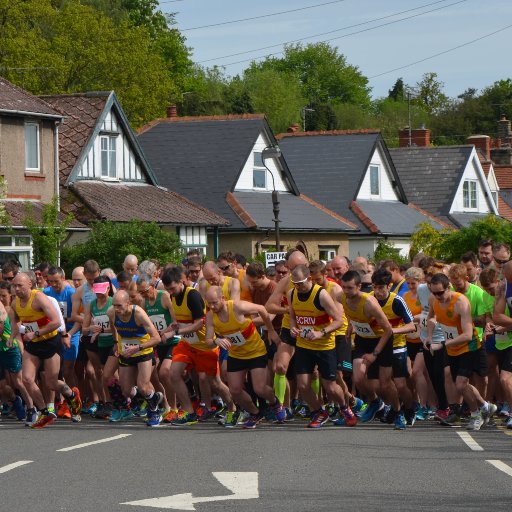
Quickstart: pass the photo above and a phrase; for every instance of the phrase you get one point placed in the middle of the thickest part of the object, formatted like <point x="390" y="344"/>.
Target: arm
<point x="76" y="302"/>
<point x="293" y="320"/>
<point x="42" y="302"/>
<point x="234" y="289"/>
<point x="273" y="304"/>
<point x="168" y="332"/>
<point x="243" y="308"/>
<point x="372" y="309"/>
<point x="15" y="333"/>
<point x="499" y="316"/>
<point x="3" y="317"/>
<point x="462" y="308"/>
<point x="211" y="340"/>
<point x="334" y="310"/>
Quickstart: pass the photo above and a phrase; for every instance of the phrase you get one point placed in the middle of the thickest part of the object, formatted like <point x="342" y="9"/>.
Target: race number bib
<point x="31" y="327"/>
<point x="63" y="308"/>
<point x="305" y="331"/>
<point x="363" y="329"/>
<point x="503" y="337"/>
<point x="159" y="322"/>
<point x="236" y="339"/>
<point x="189" y="337"/>
<point x="102" y="321"/>
<point x="450" y="333"/>
<point x="129" y="342"/>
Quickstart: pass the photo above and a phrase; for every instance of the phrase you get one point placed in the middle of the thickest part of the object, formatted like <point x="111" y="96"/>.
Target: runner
<point x="227" y="263"/>
<point x="213" y="276"/>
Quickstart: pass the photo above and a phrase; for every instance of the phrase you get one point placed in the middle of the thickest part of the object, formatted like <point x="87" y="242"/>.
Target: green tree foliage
<point x="48" y="233"/>
<point x="430" y="93"/>
<point x="428" y="240"/>
<point x="397" y="93"/>
<point x="110" y="242"/>
<point x="387" y="251"/>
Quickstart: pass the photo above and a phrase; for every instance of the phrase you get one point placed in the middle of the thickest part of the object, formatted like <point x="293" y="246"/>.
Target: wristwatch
<point x="36" y="334"/>
<point x="375" y="353"/>
<point x="324" y="332"/>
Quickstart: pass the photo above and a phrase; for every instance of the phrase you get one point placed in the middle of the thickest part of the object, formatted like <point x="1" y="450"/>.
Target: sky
<point x="433" y="27"/>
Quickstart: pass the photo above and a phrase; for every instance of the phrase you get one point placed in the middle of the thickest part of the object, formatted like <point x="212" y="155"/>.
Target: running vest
<point x="184" y="317"/>
<point x="88" y="295"/>
<point x="33" y="320"/>
<point x="451" y="327"/>
<point x="414" y="304"/>
<point x="286" y="317"/>
<point x="225" y="287"/>
<point x="100" y="317"/>
<point x="130" y="334"/>
<point x="160" y="317"/>
<point x="363" y="326"/>
<point x="246" y="343"/>
<point x="245" y="291"/>
<point x="308" y="318"/>
<point x="6" y="335"/>
<point x="343" y="329"/>
<point x="394" y="320"/>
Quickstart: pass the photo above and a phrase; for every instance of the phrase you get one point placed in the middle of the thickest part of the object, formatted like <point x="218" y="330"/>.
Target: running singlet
<point x="286" y="317"/>
<point x="363" y="326"/>
<point x="100" y="317"/>
<point x="245" y="291"/>
<point x="184" y="318"/>
<point x="414" y="304"/>
<point x="343" y="329"/>
<point x="33" y="320"/>
<point x="451" y="327"/>
<point x="160" y="317"/>
<point x="130" y="334"/>
<point x="6" y="335"/>
<point x="309" y="317"/>
<point x="88" y="295"/>
<point x="395" y="310"/>
<point x="246" y="343"/>
<point x="225" y="287"/>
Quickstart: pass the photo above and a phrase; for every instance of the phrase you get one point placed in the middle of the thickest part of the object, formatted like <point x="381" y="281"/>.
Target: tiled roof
<point x="82" y="112"/>
<point x="122" y="202"/>
<point x="17" y="212"/>
<point x="15" y="99"/>
<point x="503" y="176"/>
<point x="504" y="209"/>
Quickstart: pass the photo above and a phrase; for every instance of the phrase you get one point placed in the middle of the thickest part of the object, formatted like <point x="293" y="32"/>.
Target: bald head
<point x="214" y="293"/>
<point x="340" y="266"/>
<point x="296" y="258"/>
<point x="122" y="296"/>
<point x="131" y="264"/>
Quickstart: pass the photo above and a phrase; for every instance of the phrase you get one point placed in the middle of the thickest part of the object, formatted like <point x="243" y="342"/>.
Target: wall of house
<point x="22" y="184"/>
<point x="387" y="191"/>
<point x="366" y="247"/>
<point x="127" y="167"/>
<point x="245" y="181"/>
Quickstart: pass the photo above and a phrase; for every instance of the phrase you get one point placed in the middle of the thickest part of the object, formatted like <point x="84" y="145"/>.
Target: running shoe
<point x="171" y="416"/>
<point x="509" y="423"/>
<point x="333" y="411"/>
<point x="488" y="413"/>
<point x="357" y="404"/>
<point x="244" y="415"/>
<point x="400" y="423"/>
<point x="318" y="419"/>
<point x="372" y="409"/>
<point x="142" y="409"/>
<point x="155" y="400"/>
<point x="279" y="411"/>
<point x="115" y="416"/>
<point x="475" y="422"/>
<point x="220" y="412"/>
<point x="231" y="419"/>
<point x="339" y="422"/>
<point x="349" y="417"/>
<point x="442" y="414"/>
<point x="203" y="413"/>
<point x="385" y="415"/>
<point x="505" y="410"/>
<point x="126" y="414"/>
<point x="303" y="412"/>
<point x="63" y="411"/>
<point x="75" y="405"/>
<point x="31" y="418"/>
<point x="189" y="418"/>
<point x="19" y="408"/>
<point x="6" y="409"/>
<point x="289" y="414"/>
<point x="253" y="420"/>
<point x="44" y="419"/>
<point x="421" y="413"/>
<point x="154" y="418"/>
<point x="410" y="417"/>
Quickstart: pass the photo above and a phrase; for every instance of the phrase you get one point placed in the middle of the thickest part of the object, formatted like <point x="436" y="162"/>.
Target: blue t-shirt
<point x="423" y="296"/>
<point x="64" y="300"/>
<point x="116" y="283"/>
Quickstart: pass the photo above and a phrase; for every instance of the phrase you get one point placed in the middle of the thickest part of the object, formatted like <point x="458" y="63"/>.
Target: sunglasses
<point x="438" y="294"/>
<point x="300" y="282"/>
<point x="501" y="262"/>
<point x="146" y="290"/>
<point x="282" y="272"/>
<point x="224" y="268"/>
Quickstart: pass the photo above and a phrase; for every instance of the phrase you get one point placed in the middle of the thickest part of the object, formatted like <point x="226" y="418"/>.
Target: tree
<point x="428" y="240"/>
<point x="430" y="93"/>
<point x="387" y="251"/>
<point x="397" y="93"/>
<point x="110" y="242"/>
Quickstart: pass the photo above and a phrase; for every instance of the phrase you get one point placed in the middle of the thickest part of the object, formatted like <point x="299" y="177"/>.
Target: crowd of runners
<point x="234" y="343"/>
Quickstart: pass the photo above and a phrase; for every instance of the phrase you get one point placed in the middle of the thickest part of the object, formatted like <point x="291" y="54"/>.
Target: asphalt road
<point x="284" y="467"/>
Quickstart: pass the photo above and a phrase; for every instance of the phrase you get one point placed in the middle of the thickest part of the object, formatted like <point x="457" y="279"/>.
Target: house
<point x="218" y="161"/>
<point x="104" y="174"/>
<point x="448" y="182"/>
<point x="29" y="155"/>
<point x="351" y="173"/>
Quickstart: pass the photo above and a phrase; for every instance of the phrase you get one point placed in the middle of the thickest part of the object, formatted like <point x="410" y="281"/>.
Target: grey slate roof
<point x="463" y="220"/>
<point x="295" y="213"/>
<point x="431" y="175"/>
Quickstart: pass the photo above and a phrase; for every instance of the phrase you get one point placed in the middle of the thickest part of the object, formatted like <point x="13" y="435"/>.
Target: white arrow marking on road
<point x="14" y="465"/>
<point x="501" y="466"/>
<point x="470" y="441"/>
<point x="243" y="485"/>
<point x="83" y="445"/>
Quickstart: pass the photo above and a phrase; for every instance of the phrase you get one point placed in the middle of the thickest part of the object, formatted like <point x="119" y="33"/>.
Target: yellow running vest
<point x="33" y="320"/>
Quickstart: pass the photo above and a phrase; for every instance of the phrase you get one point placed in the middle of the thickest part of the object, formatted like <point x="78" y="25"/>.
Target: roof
<point x="17" y="212"/>
<point x="202" y="158"/>
<point x="122" y="202"/>
<point x="503" y="175"/>
<point x="504" y="208"/>
<point x="15" y="100"/>
<point x="296" y="213"/>
<point x="431" y="176"/>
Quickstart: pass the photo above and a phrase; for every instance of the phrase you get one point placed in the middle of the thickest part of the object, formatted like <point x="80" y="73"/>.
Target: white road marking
<point x="14" y="465"/>
<point x="501" y="466"/>
<point x="99" y="441"/>
<point x="470" y="441"/>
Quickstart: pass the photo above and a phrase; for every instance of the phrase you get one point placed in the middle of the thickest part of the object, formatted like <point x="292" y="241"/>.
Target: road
<point x="369" y="467"/>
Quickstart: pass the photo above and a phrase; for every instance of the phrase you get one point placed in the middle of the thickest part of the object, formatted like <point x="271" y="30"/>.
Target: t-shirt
<point x="475" y="295"/>
<point x="424" y="295"/>
<point x="261" y="297"/>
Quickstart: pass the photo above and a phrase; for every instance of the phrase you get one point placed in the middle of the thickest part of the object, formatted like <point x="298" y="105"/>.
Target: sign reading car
<point x="271" y="258"/>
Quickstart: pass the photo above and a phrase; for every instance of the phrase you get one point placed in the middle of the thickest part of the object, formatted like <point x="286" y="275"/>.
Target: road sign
<point x="244" y="486"/>
<point x="271" y="258"/>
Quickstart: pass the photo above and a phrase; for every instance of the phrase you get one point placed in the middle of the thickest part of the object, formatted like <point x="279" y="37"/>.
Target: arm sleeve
<point x="196" y="304"/>
<point x="401" y="309"/>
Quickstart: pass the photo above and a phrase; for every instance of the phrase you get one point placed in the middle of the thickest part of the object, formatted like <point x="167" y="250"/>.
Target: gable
<point x="382" y="180"/>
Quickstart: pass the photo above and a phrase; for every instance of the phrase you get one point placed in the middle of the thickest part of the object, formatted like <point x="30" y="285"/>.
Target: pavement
<point x="274" y="467"/>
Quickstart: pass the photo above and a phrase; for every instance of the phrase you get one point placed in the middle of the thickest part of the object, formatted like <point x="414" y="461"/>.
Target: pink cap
<point x="100" y="287"/>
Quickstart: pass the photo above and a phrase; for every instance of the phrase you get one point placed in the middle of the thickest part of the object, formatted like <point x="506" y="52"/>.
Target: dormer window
<point x="259" y="173"/>
<point x="469" y="194"/>
<point x="108" y="156"/>
<point x="374" y="180"/>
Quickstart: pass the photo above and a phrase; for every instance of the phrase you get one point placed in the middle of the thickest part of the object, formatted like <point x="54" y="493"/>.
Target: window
<point x="259" y="175"/>
<point x="194" y="237"/>
<point x="469" y="194"/>
<point x="32" y="146"/>
<point x="21" y="246"/>
<point x="108" y="157"/>
<point x="495" y="197"/>
<point x="327" y="253"/>
<point x="374" y="180"/>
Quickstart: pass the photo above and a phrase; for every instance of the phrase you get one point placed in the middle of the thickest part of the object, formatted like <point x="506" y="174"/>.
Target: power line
<point x="442" y="53"/>
<point x="262" y="16"/>
<point x="353" y="33"/>
<point x="323" y="33"/>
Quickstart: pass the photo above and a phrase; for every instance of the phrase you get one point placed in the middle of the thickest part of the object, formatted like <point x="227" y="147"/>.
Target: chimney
<point x="172" y="111"/>
<point x="419" y="137"/>
<point x="481" y="142"/>
<point x="504" y="131"/>
<point x="293" y="128"/>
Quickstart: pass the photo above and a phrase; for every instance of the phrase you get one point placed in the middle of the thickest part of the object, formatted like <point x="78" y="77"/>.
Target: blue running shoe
<point x="279" y="412"/>
<point x="339" y="422"/>
<point x="19" y="408"/>
<point x="289" y="414"/>
<point x="421" y="413"/>
<point x="400" y="421"/>
<point x="253" y="420"/>
<point x="115" y="416"/>
<point x="154" y="418"/>
<point x="126" y="414"/>
<point x="373" y="408"/>
<point x="357" y="406"/>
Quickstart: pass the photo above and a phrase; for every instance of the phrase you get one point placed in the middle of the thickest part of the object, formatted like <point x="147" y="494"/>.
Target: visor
<point x="100" y="287"/>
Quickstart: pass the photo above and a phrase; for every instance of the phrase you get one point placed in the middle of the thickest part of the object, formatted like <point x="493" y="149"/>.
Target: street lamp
<point x="273" y="152"/>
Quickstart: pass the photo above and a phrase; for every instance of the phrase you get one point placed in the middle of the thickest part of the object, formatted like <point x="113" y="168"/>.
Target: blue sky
<point x="376" y="51"/>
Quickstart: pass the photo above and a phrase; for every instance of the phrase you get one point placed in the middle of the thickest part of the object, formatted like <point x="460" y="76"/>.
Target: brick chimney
<point x="481" y="142"/>
<point x="501" y="153"/>
<point x="420" y="137"/>
<point x="504" y="131"/>
<point x="172" y="111"/>
<point x="293" y="128"/>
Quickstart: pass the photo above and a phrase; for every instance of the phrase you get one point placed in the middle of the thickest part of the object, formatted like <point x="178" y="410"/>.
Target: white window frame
<point x="470" y="188"/>
<point x="258" y="169"/>
<point x="12" y="246"/>
<point x="194" y="237"/>
<point x="494" y="195"/>
<point x="331" y="251"/>
<point x="376" y="168"/>
<point x="109" y="173"/>
<point x="37" y="168"/>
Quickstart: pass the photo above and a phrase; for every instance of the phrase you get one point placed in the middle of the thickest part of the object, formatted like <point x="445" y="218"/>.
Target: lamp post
<point x="273" y="152"/>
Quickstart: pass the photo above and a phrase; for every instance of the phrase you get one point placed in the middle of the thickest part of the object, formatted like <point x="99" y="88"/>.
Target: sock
<point x="315" y="385"/>
<point x="50" y="407"/>
<point x="485" y="407"/>
<point x="280" y="386"/>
